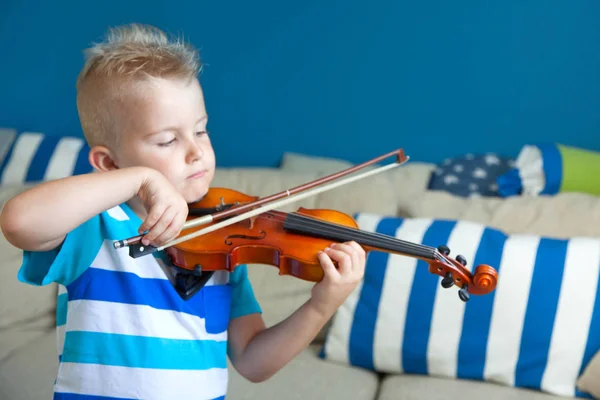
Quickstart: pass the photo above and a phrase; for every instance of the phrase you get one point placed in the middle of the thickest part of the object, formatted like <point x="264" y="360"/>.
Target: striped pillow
<point x="35" y="157"/>
<point x="537" y="330"/>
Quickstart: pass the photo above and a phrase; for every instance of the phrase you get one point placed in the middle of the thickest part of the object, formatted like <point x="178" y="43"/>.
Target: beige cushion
<point x="262" y="182"/>
<point x="318" y="164"/>
<point x="589" y="381"/>
<point x="18" y="339"/>
<point x="563" y="215"/>
<point x="29" y="373"/>
<point x="307" y="377"/>
<point x="416" y="387"/>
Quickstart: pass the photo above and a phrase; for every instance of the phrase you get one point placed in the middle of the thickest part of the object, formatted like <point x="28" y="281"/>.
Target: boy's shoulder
<point x="87" y="244"/>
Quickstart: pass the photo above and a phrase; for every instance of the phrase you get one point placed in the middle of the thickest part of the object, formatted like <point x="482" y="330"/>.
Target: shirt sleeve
<point x="68" y="261"/>
<point x="243" y="301"/>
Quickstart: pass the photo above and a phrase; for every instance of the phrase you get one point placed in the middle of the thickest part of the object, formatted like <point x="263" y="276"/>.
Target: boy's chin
<point x="192" y="196"/>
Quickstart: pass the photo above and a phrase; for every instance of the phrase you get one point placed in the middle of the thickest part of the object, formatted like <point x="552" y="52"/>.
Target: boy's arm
<point x="40" y="218"/>
<point x="257" y="352"/>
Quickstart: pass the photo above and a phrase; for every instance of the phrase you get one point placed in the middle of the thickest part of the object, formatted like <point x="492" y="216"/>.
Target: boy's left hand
<point x="338" y="283"/>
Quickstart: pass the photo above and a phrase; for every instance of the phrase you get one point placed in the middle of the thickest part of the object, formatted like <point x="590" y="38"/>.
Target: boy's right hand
<point x="166" y="210"/>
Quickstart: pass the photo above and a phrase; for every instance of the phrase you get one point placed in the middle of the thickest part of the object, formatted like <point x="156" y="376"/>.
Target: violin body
<point x="258" y="240"/>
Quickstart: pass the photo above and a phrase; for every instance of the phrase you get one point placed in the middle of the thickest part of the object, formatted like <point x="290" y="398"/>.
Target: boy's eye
<point x="165" y="144"/>
<point x="200" y="133"/>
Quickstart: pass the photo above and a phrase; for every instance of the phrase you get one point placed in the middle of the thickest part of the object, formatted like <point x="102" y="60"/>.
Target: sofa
<point x="27" y="315"/>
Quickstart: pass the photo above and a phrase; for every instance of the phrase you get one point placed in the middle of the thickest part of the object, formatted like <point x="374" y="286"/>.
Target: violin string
<point x="307" y="223"/>
<point x="335" y="228"/>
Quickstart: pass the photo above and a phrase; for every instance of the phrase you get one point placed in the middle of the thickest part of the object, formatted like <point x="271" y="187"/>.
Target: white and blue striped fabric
<point x="537" y="330"/>
<point x="123" y="331"/>
<point x="36" y="157"/>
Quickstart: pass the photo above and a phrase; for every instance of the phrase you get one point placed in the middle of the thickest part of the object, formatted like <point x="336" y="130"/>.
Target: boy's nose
<point x="194" y="153"/>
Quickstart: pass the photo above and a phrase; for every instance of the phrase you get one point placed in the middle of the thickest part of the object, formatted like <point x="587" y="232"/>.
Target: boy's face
<point x="163" y="126"/>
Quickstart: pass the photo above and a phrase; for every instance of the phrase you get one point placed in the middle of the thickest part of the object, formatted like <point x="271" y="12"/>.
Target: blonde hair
<point x="130" y="54"/>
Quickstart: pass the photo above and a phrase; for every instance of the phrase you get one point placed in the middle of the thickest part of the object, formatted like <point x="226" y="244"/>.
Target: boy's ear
<point x="102" y="159"/>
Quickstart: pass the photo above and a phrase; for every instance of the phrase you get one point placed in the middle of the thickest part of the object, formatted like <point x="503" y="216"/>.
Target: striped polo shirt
<point x="123" y="331"/>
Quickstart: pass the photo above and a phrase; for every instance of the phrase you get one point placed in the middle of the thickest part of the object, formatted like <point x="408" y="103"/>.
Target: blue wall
<point x="343" y="79"/>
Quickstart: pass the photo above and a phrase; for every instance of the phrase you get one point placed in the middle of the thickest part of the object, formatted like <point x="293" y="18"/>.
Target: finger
<point x="161" y="225"/>
<point x="350" y="251"/>
<point x="362" y="257"/>
<point x="360" y="252"/>
<point x="357" y="253"/>
<point x="170" y="233"/>
<point x="152" y="218"/>
<point x="343" y="259"/>
<point x="357" y="256"/>
<point x="327" y="264"/>
<point x="172" y="230"/>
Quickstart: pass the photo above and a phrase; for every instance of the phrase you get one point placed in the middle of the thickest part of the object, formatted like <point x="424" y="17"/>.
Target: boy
<point x="124" y="332"/>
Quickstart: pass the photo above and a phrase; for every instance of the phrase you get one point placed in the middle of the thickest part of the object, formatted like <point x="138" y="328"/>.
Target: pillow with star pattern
<point x="470" y="175"/>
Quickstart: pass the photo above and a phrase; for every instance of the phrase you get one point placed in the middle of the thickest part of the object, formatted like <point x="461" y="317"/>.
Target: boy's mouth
<point x="197" y="175"/>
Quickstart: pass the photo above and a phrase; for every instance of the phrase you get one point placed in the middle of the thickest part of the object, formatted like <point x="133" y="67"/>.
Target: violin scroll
<point x="453" y="272"/>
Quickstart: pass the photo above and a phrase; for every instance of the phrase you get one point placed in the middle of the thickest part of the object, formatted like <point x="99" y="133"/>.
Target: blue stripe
<point x="478" y="312"/>
<point x="82" y="165"/>
<point x="61" y="309"/>
<point x="420" y="305"/>
<point x="540" y="314"/>
<point x="552" y="164"/>
<point x="143" y="352"/>
<point x="583" y="395"/>
<point x="39" y="162"/>
<point x="74" y="396"/>
<point x="157" y="293"/>
<point x="362" y="332"/>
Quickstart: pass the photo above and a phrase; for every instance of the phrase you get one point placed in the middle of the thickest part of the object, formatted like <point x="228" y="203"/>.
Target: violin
<point x="243" y="229"/>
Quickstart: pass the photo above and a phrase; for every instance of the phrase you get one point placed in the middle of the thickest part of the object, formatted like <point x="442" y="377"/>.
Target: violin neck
<point x="314" y="227"/>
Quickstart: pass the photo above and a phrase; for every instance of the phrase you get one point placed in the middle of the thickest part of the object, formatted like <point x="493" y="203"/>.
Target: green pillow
<point x="548" y="169"/>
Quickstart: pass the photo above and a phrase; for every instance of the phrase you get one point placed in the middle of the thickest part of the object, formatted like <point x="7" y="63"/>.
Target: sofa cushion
<point x="538" y="329"/>
<point x="307" y="377"/>
<point x="262" y="182"/>
<point x="470" y="174"/>
<point x="37" y="157"/>
<point x="7" y="137"/>
<point x="414" y="387"/>
<point x="563" y="215"/>
<point x="589" y="381"/>
<point x="29" y="372"/>
<point x="551" y="168"/>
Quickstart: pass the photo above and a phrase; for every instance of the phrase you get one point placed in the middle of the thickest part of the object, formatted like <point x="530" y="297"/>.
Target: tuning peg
<point x="444" y="250"/>
<point x="463" y="293"/>
<point x="461" y="259"/>
<point x="447" y="281"/>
